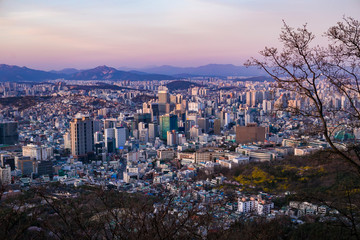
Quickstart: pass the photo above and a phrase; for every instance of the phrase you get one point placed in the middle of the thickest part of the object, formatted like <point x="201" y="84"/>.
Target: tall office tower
<point x="109" y="139"/>
<point x="204" y="124"/>
<point x="250" y="133"/>
<point x="217" y="126"/>
<point x="9" y="133"/>
<point x="168" y="122"/>
<point x="172" y="138"/>
<point x="154" y="112"/>
<point x="163" y="95"/>
<point x="82" y="136"/>
<point x="227" y="119"/>
<point x="188" y="125"/>
<point x="222" y="118"/>
<point x="153" y="131"/>
<point x="120" y="137"/>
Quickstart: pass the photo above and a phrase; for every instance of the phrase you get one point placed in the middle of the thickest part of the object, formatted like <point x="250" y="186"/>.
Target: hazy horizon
<point x="53" y="35"/>
<point x="126" y="68"/>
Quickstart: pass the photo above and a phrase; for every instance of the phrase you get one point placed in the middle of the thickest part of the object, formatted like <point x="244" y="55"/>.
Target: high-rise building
<point x="204" y="124"/>
<point x="217" y="126"/>
<point x="188" y="125"/>
<point x="172" y="138"/>
<point x="154" y="111"/>
<point x="163" y="95"/>
<point x="9" y="133"/>
<point x="168" y="122"/>
<point x="109" y="139"/>
<point x="153" y="131"/>
<point x="82" y="136"/>
<point x="115" y="138"/>
<point x="250" y="133"/>
<point x="120" y="137"/>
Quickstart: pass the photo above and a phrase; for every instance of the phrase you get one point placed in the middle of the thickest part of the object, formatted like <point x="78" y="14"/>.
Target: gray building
<point x="9" y="133"/>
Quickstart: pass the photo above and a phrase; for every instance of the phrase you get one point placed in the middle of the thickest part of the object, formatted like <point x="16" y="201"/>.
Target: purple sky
<point x="136" y="33"/>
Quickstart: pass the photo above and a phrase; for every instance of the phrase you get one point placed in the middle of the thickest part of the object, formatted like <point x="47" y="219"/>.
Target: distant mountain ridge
<point x="10" y="73"/>
<point x="109" y="73"/>
<point x="221" y="70"/>
<point x="20" y="74"/>
<point x="166" y="72"/>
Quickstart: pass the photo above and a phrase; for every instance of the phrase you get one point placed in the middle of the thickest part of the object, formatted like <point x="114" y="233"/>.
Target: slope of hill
<point x="109" y="73"/>
<point x="181" y="85"/>
<point x="22" y="103"/>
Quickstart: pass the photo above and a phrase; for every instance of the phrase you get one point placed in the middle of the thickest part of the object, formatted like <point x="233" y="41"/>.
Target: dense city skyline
<point x="58" y="34"/>
<point x="270" y="150"/>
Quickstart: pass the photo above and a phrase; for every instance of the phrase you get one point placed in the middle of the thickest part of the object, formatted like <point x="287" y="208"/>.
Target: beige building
<point x="82" y="136"/>
<point x="163" y="95"/>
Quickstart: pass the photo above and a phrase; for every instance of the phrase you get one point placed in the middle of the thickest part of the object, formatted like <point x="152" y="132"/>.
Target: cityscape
<point x="266" y="149"/>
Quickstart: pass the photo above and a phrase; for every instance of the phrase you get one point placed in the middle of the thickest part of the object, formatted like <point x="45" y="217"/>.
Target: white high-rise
<point x="120" y="137"/>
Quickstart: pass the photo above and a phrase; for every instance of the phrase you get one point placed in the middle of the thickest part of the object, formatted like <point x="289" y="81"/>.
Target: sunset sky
<point x="54" y="34"/>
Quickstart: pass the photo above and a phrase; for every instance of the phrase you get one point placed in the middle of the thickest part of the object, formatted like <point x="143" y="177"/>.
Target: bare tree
<point x="316" y="76"/>
<point x="309" y="72"/>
